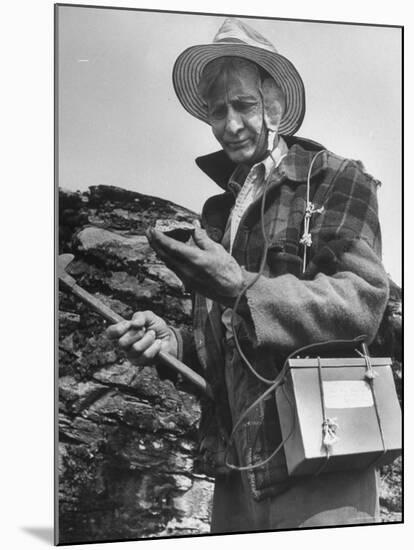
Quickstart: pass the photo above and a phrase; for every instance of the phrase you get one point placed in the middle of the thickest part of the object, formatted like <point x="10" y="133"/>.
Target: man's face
<point x="236" y="116"/>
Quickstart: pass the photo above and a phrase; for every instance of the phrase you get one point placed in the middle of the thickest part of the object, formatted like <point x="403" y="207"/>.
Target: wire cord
<point x="274" y="384"/>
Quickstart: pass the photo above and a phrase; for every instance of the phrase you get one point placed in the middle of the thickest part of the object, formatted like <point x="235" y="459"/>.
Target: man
<point x="289" y="255"/>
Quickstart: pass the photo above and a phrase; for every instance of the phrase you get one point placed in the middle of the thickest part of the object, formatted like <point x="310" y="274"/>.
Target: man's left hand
<point x="206" y="267"/>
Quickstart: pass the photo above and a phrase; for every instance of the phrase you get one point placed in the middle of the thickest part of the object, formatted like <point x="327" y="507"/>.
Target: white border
<point x="27" y="268"/>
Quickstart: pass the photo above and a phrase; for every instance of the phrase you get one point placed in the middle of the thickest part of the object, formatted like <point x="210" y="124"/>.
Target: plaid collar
<point x="295" y="166"/>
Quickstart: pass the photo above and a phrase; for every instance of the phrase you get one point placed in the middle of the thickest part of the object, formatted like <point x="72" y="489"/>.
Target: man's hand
<point x="206" y="267"/>
<point x="144" y="337"/>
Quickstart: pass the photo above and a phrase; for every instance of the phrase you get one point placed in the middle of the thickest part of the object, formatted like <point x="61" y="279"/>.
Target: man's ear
<point x="273" y="104"/>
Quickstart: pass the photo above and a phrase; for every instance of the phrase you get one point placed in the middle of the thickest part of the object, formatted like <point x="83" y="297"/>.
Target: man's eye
<point x="217" y="112"/>
<point x="244" y="106"/>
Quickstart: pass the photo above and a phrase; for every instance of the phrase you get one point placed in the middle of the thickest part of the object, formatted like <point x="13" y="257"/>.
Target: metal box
<point x="349" y="400"/>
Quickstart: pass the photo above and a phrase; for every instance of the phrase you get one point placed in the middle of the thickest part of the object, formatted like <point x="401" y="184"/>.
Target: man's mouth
<point x="238" y="144"/>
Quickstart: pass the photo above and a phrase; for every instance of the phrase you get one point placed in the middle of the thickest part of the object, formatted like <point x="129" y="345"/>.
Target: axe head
<point x="63" y="261"/>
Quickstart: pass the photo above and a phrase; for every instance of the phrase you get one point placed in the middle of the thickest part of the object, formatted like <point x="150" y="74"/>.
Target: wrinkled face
<point x="235" y="112"/>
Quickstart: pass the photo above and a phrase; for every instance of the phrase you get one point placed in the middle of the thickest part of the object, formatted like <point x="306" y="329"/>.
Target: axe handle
<point x="164" y="357"/>
<point x="171" y="361"/>
<point x="97" y="305"/>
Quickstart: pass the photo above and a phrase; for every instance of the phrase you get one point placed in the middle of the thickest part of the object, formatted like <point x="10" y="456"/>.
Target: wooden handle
<point x="97" y="305"/>
<point x="173" y="362"/>
<point x="164" y="357"/>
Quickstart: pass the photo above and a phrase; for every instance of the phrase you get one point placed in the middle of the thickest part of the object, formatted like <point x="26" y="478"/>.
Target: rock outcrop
<point x="127" y="440"/>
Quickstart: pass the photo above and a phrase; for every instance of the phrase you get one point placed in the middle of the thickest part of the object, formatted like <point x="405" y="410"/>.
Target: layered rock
<point x="126" y="439"/>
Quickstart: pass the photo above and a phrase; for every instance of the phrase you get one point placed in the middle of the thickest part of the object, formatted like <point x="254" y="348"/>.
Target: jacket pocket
<point x="211" y="459"/>
<point x="257" y="440"/>
<point x="282" y="258"/>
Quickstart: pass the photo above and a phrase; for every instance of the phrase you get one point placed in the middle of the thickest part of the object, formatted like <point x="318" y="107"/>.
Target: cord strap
<point x="329" y="425"/>
<point x="306" y="238"/>
<point x="370" y="376"/>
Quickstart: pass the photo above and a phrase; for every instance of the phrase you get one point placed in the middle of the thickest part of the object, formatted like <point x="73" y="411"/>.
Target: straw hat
<point x="235" y="38"/>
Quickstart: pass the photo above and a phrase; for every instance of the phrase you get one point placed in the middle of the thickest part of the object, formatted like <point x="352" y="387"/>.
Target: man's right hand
<point x="144" y="337"/>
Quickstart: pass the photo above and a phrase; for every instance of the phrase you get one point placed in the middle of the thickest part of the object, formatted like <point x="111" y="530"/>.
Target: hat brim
<point x="191" y="62"/>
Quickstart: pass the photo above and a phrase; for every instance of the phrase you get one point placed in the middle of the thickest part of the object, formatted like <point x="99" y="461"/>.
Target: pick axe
<point x="107" y="313"/>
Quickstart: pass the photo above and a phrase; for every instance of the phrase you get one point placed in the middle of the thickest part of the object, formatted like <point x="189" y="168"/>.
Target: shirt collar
<point x="268" y="164"/>
<point x="272" y="161"/>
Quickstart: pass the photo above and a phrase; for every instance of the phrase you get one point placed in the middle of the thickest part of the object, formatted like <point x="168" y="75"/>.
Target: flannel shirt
<point x="342" y="294"/>
<point x="246" y="189"/>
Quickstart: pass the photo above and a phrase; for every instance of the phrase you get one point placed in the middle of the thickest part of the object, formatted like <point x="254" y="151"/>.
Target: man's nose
<point x="234" y="121"/>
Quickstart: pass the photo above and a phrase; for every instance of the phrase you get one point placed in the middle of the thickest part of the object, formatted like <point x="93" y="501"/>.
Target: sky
<point x="120" y="122"/>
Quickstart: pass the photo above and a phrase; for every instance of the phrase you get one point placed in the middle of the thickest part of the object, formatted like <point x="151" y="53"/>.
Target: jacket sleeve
<point x="186" y="352"/>
<point x="186" y="348"/>
<point x="344" y="291"/>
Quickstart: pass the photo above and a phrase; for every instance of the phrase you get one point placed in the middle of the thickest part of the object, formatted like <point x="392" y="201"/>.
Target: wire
<point x="278" y="381"/>
<point x="245" y="413"/>
<point x="274" y="384"/>
<point x="306" y="239"/>
<point x="266" y="246"/>
<point x="247" y="287"/>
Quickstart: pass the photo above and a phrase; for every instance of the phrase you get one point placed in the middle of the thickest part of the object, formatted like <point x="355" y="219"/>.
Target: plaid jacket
<point x="342" y="294"/>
